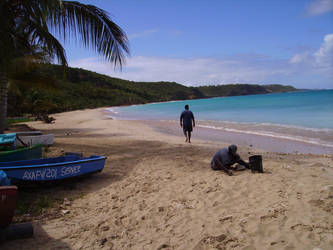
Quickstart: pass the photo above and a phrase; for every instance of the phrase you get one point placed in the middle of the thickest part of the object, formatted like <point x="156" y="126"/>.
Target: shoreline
<point x="271" y="137"/>
<point x="255" y="141"/>
<point x="272" y="111"/>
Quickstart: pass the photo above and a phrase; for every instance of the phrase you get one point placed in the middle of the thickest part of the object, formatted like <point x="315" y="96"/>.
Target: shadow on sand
<point x="38" y="241"/>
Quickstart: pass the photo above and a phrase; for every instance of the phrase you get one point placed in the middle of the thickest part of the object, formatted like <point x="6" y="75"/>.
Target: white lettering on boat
<point x="72" y="170"/>
<point x="48" y="173"/>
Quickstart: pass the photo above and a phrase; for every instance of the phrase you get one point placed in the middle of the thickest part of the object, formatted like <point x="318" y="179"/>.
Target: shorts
<point x="187" y="128"/>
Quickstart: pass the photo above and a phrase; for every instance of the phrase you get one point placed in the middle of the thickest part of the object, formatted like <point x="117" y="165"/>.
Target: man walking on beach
<point x="186" y="119"/>
<point x="225" y="158"/>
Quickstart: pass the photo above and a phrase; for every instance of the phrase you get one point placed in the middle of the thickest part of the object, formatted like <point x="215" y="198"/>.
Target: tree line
<point x="75" y="88"/>
<point x="27" y="38"/>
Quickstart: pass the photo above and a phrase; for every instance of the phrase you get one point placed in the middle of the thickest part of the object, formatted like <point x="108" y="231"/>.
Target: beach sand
<point x="158" y="192"/>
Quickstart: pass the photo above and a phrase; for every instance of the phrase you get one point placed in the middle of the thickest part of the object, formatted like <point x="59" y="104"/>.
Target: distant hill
<point x="79" y="89"/>
<point x="243" y="89"/>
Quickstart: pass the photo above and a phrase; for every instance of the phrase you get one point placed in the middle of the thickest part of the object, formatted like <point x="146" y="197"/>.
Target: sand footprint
<point x="221" y="241"/>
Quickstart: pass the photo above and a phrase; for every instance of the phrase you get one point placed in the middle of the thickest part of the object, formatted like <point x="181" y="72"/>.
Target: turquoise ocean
<point x="302" y="116"/>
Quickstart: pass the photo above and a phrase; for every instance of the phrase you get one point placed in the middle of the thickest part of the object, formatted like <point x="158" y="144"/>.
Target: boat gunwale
<point x="58" y="164"/>
<point x="21" y="149"/>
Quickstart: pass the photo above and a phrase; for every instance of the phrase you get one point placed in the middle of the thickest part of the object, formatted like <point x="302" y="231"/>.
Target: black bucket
<point x="256" y="163"/>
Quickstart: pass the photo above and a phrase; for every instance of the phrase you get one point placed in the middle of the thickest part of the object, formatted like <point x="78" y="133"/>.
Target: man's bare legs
<point x="187" y="135"/>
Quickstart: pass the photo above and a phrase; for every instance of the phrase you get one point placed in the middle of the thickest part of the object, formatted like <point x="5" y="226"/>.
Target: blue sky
<point x="211" y="42"/>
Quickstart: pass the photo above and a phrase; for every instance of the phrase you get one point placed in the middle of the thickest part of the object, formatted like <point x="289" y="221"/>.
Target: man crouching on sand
<point x="225" y="158"/>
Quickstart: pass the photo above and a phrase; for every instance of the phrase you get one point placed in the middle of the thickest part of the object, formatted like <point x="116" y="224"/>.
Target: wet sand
<point x="158" y="192"/>
<point x="248" y="139"/>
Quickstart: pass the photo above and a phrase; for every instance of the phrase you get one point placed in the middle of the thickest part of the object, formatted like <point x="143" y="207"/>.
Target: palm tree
<point x="27" y="24"/>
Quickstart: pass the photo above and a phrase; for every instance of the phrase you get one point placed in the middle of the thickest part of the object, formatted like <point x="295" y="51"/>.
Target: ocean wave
<point x="271" y="134"/>
<point x="111" y="110"/>
<point x="267" y="124"/>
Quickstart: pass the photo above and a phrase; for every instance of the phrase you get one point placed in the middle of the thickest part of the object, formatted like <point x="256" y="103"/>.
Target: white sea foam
<point x="111" y="110"/>
<point x="272" y="134"/>
<point x="267" y="124"/>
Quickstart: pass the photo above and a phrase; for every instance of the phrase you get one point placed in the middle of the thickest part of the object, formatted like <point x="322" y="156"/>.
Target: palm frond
<point x="41" y="36"/>
<point x="23" y="26"/>
<point x="94" y="27"/>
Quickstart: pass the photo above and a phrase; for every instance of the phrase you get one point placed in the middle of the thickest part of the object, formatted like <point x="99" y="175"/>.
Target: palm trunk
<point x="3" y="101"/>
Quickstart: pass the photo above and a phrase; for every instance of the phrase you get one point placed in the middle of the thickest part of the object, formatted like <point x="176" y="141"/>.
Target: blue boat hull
<point x="50" y="169"/>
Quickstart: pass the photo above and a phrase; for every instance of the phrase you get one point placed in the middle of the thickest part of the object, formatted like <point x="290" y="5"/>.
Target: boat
<point x="33" y="139"/>
<point x="24" y="153"/>
<point x="50" y="169"/>
<point x="32" y="132"/>
<point x="8" y="231"/>
<point x="7" y="140"/>
<point x="8" y="196"/>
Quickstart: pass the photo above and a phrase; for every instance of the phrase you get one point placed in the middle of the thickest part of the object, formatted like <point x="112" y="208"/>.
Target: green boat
<point x="25" y="153"/>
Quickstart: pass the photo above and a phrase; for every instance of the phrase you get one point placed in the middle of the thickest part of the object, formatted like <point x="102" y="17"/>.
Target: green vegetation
<point x="26" y="38"/>
<point x="18" y="120"/>
<point x="232" y="90"/>
<point x="278" y="88"/>
<point x="79" y="89"/>
<point x="46" y="202"/>
<point x="34" y="205"/>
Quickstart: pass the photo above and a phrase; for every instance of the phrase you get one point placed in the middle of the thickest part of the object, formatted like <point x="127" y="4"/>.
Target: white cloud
<point x="319" y="7"/>
<point x="300" y="58"/>
<point x="304" y="70"/>
<point x="324" y="56"/>
<point x="321" y="59"/>
<point x="189" y="71"/>
<point x="143" y="33"/>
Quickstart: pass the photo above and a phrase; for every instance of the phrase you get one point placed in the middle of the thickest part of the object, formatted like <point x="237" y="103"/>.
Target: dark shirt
<point x="187" y="117"/>
<point x="223" y="160"/>
<point x="222" y="156"/>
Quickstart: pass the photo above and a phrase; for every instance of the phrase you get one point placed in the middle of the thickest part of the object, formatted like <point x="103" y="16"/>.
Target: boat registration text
<point x="51" y="173"/>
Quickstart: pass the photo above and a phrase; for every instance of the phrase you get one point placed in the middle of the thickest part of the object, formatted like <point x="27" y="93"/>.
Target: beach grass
<point x="42" y="202"/>
<point x="34" y="204"/>
<point x="11" y="121"/>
